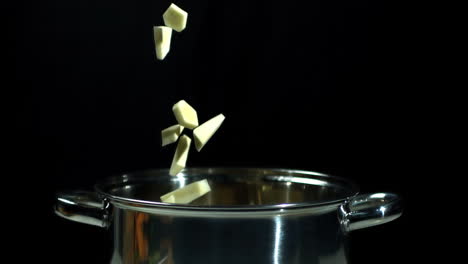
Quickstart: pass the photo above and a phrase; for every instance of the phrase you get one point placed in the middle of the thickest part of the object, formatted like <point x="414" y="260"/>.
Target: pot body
<point x="274" y="238"/>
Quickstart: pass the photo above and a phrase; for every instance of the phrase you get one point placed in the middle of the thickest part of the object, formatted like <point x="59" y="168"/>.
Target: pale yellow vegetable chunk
<point x="171" y="134"/>
<point x="185" y="114"/>
<point x="205" y="131"/>
<point x="180" y="156"/>
<point x="187" y="193"/>
<point x="175" y="18"/>
<point x="162" y="41"/>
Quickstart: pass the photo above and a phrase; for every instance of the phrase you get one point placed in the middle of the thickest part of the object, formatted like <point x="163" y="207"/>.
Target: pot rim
<point x="274" y="174"/>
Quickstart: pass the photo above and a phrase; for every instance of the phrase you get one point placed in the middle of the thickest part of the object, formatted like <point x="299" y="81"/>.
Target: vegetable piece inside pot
<point x="188" y="193"/>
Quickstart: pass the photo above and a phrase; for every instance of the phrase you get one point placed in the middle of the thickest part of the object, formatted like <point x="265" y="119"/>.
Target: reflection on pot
<point x="138" y="243"/>
<point x="140" y="236"/>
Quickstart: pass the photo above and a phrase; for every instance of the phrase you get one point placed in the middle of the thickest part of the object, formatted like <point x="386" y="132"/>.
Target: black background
<point x="321" y="86"/>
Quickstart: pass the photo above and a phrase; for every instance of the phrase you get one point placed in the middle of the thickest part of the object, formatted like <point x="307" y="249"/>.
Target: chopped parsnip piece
<point x="175" y="18"/>
<point x="185" y="114"/>
<point x="171" y="134"/>
<point x="168" y="199"/>
<point x="162" y="41"/>
<point x="187" y="193"/>
<point x="180" y="156"/>
<point x="205" y="131"/>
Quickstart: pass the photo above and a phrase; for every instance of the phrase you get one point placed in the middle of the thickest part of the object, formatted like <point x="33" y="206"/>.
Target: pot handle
<point x="368" y="210"/>
<point x="83" y="206"/>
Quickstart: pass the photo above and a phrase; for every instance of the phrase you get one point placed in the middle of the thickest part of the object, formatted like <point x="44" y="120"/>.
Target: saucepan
<point x="251" y="215"/>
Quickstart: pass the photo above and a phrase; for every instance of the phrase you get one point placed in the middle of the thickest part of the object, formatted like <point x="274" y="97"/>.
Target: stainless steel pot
<point x="270" y="216"/>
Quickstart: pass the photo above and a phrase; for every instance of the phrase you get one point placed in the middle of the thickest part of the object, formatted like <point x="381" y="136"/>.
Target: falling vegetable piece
<point x="162" y="40"/>
<point x="187" y="193"/>
<point x="180" y="156"/>
<point x="175" y="18"/>
<point x="185" y="114"/>
<point x="205" y="131"/>
<point x="171" y="134"/>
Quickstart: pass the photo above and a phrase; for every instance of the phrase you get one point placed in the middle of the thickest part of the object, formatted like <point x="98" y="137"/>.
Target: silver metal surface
<point x="369" y="210"/>
<point x="83" y="206"/>
<point x="271" y="216"/>
<point x="277" y="239"/>
<point x="233" y="189"/>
